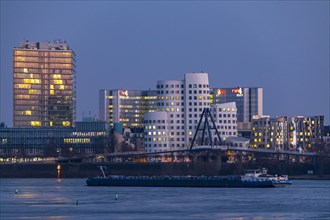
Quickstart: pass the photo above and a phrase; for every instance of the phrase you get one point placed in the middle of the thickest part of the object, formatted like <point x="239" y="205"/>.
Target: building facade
<point x="126" y="106"/>
<point x="249" y="102"/>
<point x="44" y="85"/>
<point x="86" y="138"/>
<point x="184" y="100"/>
<point x="287" y="133"/>
<point x="225" y="116"/>
<point x="180" y="105"/>
<point x="156" y="137"/>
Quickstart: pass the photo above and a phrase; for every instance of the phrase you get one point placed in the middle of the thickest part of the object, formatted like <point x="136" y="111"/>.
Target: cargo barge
<point x="178" y="181"/>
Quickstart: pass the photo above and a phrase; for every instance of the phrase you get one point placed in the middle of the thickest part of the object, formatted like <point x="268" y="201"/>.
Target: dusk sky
<point x="280" y="46"/>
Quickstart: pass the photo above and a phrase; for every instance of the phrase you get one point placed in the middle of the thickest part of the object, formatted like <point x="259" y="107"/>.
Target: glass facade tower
<point x="126" y="106"/>
<point x="249" y="101"/>
<point x="44" y="85"/>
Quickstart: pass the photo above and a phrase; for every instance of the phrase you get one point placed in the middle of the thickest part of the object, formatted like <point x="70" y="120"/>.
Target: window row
<point x="198" y="86"/>
<point x="153" y="121"/>
<point x="199" y="91"/>
<point x="170" y="92"/>
<point x="170" y="86"/>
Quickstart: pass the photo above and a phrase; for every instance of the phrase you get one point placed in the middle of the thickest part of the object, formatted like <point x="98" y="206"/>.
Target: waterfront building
<point x="225" y="116"/>
<point x="157" y="135"/>
<point x="85" y="138"/>
<point x="184" y="101"/>
<point x="126" y="106"/>
<point x="249" y="102"/>
<point x="287" y="133"/>
<point x="44" y="85"/>
<point x="326" y="137"/>
<point x="180" y="105"/>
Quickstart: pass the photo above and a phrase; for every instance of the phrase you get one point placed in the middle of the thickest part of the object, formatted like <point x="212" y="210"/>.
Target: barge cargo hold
<point x="178" y="181"/>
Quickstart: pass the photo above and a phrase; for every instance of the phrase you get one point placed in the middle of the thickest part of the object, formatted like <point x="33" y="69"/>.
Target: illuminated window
<point x="32" y="81"/>
<point x="25" y="70"/>
<point x="66" y="123"/>
<point x="51" y="123"/>
<point x="28" y="112"/>
<point x="33" y="91"/>
<point x="35" y="123"/>
<point x="58" y="81"/>
<point x="23" y="86"/>
<point x="57" y="76"/>
<point x="61" y="87"/>
<point x="51" y="92"/>
<point x="51" y="86"/>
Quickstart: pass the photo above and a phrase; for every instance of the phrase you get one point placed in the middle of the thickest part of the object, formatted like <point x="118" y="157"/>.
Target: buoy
<point x="16" y="191"/>
<point x="116" y="196"/>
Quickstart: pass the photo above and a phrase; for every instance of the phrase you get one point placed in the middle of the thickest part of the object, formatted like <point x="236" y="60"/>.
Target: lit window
<point x="66" y="123"/>
<point x="35" y="123"/>
<point x="28" y="112"/>
<point x="25" y="70"/>
<point x="58" y="81"/>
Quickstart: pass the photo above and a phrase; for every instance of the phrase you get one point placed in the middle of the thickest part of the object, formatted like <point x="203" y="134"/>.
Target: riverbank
<point x="83" y="170"/>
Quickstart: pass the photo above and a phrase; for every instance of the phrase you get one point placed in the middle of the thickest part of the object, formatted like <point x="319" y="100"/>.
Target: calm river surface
<point x="50" y="199"/>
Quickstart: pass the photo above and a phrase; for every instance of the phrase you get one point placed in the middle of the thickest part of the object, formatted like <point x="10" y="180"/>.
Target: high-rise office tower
<point x="44" y="84"/>
<point x="249" y="102"/>
<point x="126" y="106"/>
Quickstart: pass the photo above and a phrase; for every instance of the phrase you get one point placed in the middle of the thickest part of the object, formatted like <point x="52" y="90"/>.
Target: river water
<point x="72" y="199"/>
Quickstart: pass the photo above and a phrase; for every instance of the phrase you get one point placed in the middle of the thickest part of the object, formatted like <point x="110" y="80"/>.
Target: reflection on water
<point x="72" y="199"/>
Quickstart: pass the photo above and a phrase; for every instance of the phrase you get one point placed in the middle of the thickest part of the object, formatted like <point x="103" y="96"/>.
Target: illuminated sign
<point x="220" y="92"/>
<point x="238" y="91"/>
<point x="123" y="93"/>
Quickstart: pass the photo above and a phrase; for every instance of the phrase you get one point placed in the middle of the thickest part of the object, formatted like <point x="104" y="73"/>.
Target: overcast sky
<point x="280" y="46"/>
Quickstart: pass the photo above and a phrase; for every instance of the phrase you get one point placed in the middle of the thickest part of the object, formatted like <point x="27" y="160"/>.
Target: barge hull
<point x="177" y="183"/>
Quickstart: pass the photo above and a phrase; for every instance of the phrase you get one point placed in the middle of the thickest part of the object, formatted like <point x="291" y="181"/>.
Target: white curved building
<point x="225" y="118"/>
<point x="156" y="131"/>
<point x="183" y="101"/>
